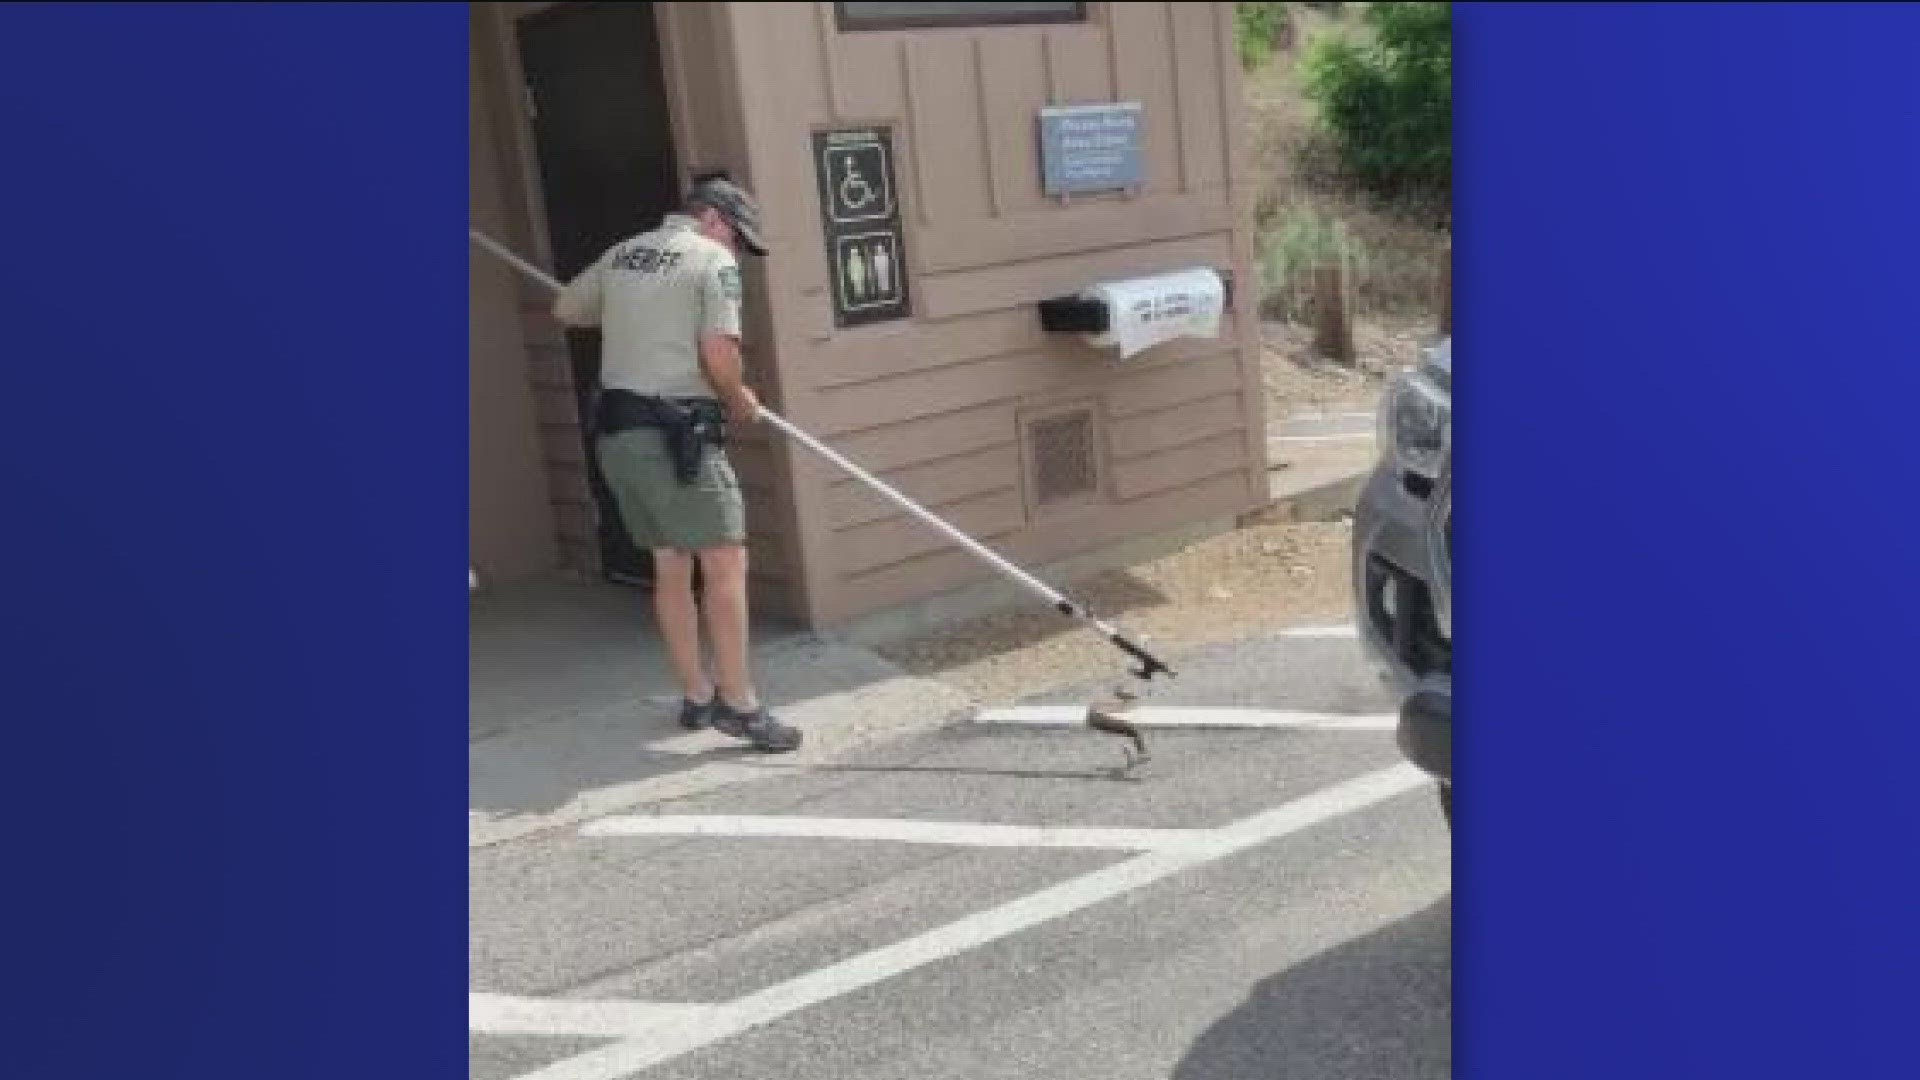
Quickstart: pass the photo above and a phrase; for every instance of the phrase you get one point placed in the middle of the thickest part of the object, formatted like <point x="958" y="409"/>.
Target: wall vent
<point x="1063" y="457"/>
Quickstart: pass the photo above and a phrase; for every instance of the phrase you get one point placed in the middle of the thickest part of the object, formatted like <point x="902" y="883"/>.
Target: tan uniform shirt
<point x="653" y="296"/>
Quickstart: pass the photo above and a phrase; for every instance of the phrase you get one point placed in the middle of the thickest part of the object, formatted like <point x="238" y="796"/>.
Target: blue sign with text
<point x="1090" y="147"/>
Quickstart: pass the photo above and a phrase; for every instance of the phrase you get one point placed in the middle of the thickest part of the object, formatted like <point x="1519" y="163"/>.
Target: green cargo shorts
<point x="658" y="510"/>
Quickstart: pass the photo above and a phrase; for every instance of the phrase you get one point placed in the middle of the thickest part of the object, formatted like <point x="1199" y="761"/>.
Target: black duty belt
<point x="689" y="425"/>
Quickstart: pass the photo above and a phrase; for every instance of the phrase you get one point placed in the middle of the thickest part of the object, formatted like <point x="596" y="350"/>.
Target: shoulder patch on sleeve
<point x="730" y="281"/>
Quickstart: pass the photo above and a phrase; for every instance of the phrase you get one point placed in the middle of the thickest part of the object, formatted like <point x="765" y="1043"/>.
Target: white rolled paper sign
<point x="1147" y="311"/>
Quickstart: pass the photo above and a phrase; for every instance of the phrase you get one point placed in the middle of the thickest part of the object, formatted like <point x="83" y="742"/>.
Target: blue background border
<point x="233" y="458"/>
<point x="234" y="442"/>
<point x="1686" y="832"/>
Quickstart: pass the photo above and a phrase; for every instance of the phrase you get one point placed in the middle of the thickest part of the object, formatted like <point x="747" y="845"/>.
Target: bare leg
<point x="724" y="572"/>
<point x="680" y="621"/>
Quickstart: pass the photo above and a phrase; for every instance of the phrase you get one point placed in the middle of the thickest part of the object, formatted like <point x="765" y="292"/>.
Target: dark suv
<point x="1403" y="561"/>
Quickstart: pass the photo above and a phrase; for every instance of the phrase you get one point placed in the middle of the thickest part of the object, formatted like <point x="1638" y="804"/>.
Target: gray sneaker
<point x="694" y="715"/>
<point x="757" y="727"/>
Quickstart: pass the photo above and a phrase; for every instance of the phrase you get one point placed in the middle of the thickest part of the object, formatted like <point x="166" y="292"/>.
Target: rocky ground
<point x="1298" y="381"/>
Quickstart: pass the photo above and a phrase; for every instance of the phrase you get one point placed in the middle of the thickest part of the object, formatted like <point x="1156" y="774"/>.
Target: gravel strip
<point x="1256" y="579"/>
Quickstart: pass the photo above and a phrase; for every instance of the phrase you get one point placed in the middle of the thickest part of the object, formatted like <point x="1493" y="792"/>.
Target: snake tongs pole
<point x="1148" y="663"/>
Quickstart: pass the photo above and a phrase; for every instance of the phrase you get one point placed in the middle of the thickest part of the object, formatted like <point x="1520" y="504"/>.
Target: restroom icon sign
<point x="867" y="270"/>
<point x="858" y="181"/>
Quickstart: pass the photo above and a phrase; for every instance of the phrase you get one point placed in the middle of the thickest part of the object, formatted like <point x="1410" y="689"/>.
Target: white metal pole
<point x="916" y="510"/>
<point x="513" y="260"/>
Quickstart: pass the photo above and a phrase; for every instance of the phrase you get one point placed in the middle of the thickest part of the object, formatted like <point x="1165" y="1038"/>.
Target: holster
<point x="688" y="425"/>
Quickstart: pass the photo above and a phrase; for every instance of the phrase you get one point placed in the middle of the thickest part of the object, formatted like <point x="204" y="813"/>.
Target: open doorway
<point x="603" y="137"/>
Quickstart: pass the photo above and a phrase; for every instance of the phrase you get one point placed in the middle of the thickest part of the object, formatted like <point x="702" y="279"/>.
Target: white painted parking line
<point x="1347" y="630"/>
<point x="1322" y="417"/>
<point x="1343" y="436"/>
<point x="691" y="744"/>
<point x="1146" y="717"/>
<point x="956" y="833"/>
<point x="503" y="1014"/>
<point x="630" y="1056"/>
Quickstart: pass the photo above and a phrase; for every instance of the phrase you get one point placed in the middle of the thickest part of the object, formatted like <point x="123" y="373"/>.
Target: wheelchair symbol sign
<point x="858" y="182"/>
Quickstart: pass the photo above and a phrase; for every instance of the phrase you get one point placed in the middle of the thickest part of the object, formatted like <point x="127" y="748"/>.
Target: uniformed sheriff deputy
<point x="667" y="303"/>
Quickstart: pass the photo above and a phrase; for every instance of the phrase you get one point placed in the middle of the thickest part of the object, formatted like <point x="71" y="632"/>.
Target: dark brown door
<point x="597" y="101"/>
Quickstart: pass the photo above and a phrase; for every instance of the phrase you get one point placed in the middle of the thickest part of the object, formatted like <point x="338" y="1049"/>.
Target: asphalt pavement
<point x="1268" y="896"/>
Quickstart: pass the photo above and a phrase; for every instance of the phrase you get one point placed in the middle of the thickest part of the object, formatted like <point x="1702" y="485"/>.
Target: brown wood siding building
<point x="1033" y="442"/>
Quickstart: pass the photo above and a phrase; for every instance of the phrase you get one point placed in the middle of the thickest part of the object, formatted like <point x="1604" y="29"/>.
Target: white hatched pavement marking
<point x="632" y="1055"/>
<point x="1182" y="717"/>
<point x="957" y="833"/>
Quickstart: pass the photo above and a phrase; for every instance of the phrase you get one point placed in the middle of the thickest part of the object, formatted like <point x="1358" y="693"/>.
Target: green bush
<point x="1389" y="104"/>
<point x="1256" y="29"/>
